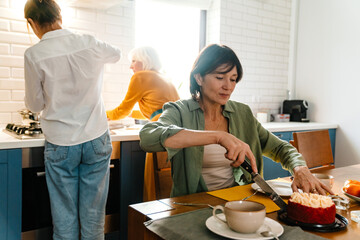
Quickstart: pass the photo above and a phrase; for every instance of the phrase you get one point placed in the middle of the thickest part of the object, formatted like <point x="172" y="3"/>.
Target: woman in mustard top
<point x="151" y="90"/>
<point x="148" y="87"/>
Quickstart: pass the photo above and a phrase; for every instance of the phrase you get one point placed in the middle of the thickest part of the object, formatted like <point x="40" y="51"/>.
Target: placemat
<point x="240" y="192"/>
<point x="191" y="226"/>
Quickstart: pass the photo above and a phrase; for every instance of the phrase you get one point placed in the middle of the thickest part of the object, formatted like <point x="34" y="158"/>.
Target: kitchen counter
<point x="297" y="126"/>
<point x="132" y="133"/>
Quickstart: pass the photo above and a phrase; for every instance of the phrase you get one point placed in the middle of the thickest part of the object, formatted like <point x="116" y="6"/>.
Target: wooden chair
<point x="162" y="174"/>
<point x="315" y="146"/>
<point x="292" y="142"/>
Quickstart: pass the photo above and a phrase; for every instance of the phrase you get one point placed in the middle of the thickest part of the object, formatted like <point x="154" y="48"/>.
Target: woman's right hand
<point x="236" y="150"/>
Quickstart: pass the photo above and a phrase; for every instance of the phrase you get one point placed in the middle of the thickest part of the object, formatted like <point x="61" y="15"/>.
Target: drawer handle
<point x="40" y="174"/>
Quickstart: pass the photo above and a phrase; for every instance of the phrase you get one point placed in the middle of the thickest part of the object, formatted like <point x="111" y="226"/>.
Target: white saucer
<point x="222" y="229"/>
<point x="281" y="188"/>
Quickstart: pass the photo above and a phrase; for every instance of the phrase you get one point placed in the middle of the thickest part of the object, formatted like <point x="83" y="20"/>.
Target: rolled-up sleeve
<point x="279" y="150"/>
<point x="109" y="53"/>
<point x="154" y="134"/>
<point x="34" y="97"/>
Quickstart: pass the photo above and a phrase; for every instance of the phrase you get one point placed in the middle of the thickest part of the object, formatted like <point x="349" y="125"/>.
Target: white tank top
<point x="216" y="169"/>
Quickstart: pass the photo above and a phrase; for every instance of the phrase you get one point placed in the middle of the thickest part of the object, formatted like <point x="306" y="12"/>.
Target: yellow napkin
<point x="240" y="192"/>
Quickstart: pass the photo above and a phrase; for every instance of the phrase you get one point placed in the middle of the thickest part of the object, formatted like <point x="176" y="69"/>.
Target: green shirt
<point x="186" y="163"/>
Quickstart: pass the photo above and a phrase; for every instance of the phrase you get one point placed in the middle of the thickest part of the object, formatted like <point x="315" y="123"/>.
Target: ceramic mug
<point x="242" y="216"/>
<point x="328" y="180"/>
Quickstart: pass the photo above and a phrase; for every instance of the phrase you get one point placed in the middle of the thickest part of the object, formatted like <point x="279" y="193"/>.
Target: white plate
<point x="352" y="196"/>
<point x="281" y="188"/>
<point x="222" y="229"/>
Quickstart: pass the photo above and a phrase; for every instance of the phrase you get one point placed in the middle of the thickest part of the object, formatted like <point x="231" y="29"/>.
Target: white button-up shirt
<point x="63" y="79"/>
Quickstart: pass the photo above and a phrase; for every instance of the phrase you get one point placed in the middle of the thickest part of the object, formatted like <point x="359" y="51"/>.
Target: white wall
<point x="257" y="30"/>
<point x="328" y="69"/>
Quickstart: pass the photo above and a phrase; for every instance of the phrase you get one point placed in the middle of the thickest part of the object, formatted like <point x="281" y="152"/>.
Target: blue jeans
<point x="78" y="181"/>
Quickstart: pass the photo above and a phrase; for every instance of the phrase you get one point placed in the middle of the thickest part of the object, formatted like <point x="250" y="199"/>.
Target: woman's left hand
<point x="304" y="180"/>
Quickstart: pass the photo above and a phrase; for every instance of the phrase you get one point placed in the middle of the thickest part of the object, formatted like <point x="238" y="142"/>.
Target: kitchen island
<point x="131" y="159"/>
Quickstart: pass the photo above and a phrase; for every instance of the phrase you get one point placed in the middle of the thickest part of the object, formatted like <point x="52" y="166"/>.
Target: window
<point x="174" y="31"/>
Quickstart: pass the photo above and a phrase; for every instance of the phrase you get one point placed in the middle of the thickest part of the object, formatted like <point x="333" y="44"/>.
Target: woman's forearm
<point x="236" y="150"/>
<point x="189" y="138"/>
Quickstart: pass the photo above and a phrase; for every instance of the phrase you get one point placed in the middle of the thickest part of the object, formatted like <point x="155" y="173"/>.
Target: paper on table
<point x="240" y="192"/>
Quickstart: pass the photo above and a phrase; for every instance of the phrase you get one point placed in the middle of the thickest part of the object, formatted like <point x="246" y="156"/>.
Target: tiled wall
<point x="257" y="30"/>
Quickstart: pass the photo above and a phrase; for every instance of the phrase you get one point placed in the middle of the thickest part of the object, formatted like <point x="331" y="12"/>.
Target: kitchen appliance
<point x="22" y="131"/>
<point x="297" y="110"/>
<point x="29" y="128"/>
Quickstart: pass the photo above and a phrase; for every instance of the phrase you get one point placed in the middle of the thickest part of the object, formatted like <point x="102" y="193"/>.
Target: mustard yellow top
<point x="151" y="90"/>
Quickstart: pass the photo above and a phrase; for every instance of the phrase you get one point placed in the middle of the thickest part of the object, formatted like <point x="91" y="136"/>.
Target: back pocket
<point x="55" y="153"/>
<point x="102" y="145"/>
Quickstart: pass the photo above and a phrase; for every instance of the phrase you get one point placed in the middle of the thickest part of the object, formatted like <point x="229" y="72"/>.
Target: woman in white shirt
<point x="63" y="79"/>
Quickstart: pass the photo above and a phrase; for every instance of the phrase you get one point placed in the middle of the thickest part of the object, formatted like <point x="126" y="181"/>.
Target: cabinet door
<point x="3" y="194"/>
<point x="273" y="169"/>
<point x="332" y="134"/>
<point x="132" y="165"/>
<point x="10" y="197"/>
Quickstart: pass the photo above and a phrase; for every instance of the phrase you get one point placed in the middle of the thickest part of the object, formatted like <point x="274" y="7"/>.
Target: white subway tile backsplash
<point x="4" y="25"/>
<point x="17" y="95"/>
<point x="114" y="29"/>
<point x="17" y="38"/>
<point x="11" y="13"/>
<point x="17" y="73"/>
<point x="4" y="72"/>
<point x="18" y="50"/>
<point x="86" y="14"/>
<point x="266" y="28"/>
<point x="5" y="118"/>
<point x="12" y="61"/>
<point x="6" y="107"/>
<point x="4" y="49"/>
<point x="86" y="25"/>
<point x="114" y="19"/>
<point x="19" y="26"/>
<point x="5" y="95"/>
<point x="6" y="84"/>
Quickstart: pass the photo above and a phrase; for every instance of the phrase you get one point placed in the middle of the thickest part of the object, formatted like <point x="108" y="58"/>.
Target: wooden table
<point x="139" y="213"/>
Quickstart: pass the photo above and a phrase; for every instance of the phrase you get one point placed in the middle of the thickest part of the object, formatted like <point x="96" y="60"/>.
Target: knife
<point x="265" y="187"/>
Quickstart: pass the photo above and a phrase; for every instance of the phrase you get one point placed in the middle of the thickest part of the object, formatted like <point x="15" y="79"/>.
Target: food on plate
<point x="352" y="187"/>
<point x="311" y="208"/>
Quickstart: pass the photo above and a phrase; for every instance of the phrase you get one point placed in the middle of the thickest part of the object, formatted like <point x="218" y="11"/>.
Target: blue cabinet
<point x="10" y="194"/>
<point x="274" y="170"/>
<point x="132" y="165"/>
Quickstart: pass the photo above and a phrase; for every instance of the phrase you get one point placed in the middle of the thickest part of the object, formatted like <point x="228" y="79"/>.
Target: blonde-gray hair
<point x="147" y="56"/>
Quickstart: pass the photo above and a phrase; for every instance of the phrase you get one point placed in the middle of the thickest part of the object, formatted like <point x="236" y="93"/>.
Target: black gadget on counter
<point x="297" y="110"/>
